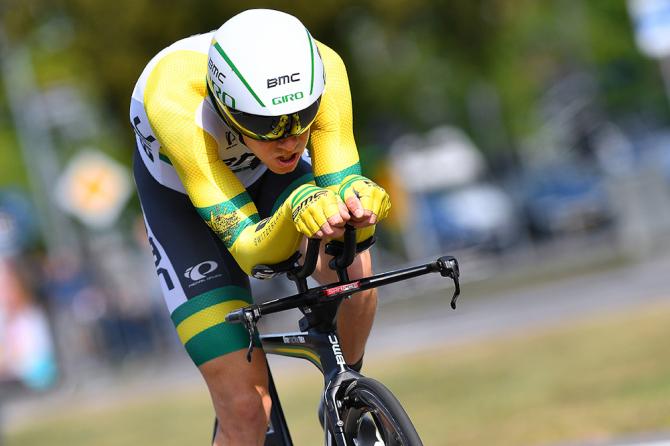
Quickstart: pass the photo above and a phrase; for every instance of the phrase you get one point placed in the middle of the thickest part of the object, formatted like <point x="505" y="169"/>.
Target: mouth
<point x="288" y="160"/>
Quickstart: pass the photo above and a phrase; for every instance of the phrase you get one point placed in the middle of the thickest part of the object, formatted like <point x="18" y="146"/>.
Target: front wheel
<point x="373" y="416"/>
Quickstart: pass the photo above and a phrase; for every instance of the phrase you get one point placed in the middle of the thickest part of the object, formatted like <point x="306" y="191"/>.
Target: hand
<point x="318" y="212"/>
<point x="366" y="201"/>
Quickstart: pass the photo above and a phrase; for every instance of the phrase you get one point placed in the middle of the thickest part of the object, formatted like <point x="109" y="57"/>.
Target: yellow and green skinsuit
<point x="214" y="189"/>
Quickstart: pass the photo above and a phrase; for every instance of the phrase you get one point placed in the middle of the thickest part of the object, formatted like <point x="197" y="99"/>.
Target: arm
<point x="334" y="155"/>
<point x="215" y="191"/>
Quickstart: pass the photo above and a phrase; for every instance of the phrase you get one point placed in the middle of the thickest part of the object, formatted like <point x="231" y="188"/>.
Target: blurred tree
<point x="629" y="81"/>
<point x="412" y="64"/>
<point x="119" y="50"/>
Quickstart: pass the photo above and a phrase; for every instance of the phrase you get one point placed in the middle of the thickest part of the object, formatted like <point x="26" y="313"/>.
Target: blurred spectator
<point x="26" y="349"/>
<point x="77" y="303"/>
<point x="137" y="322"/>
<point x="17" y="222"/>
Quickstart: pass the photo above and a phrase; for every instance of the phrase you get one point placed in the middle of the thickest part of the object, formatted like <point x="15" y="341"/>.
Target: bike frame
<point x="322" y="350"/>
<point x="318" y="341"/>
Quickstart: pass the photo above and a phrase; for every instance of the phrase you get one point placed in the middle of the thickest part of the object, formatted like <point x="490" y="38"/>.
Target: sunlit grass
<point x="587" y="380"/>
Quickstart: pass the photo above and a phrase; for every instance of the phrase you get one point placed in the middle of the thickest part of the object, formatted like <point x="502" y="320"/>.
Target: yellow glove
<point x="312" y="207"/>
<point x="367" y="201"/>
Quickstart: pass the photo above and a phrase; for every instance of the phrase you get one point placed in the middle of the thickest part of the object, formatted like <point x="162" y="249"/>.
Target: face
<point x="281" y="156"/>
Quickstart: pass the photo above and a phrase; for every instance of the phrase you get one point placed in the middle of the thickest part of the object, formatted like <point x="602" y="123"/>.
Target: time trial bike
<point x="357" y="410"/>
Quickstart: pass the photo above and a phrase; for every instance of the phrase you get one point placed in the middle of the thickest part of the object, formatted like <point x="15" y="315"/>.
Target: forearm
<point x="267" y="242"/>
<point x="275" y="239"/>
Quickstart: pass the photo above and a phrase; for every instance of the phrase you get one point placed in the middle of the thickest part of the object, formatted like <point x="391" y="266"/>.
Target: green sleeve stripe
<point x="331" y="179"/>
<point x="237" y="72"/>
<point x="306" y="178"/>
<point x="302" y="194"/>
<point x="225" y="207"/>
<point x="208" y="299"/>
<point x="230" y="234"/>
<point x="217" y="341"/>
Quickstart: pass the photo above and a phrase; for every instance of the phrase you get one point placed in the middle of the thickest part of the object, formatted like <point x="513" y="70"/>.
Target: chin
<point x="283" y="169"/>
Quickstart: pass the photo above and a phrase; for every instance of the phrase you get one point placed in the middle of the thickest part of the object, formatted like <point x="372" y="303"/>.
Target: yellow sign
<point x="94" y="188"/>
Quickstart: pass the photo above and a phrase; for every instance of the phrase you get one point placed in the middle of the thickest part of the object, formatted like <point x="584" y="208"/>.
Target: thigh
<point x="200" y="280"/>
<point x="237" y="386"/>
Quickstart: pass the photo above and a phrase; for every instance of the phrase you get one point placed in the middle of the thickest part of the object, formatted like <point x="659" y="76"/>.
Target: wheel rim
<point x="369" y="426"/>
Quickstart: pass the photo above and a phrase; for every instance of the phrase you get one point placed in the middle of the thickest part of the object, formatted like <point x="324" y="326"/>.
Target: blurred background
<point x="529" y="139"/>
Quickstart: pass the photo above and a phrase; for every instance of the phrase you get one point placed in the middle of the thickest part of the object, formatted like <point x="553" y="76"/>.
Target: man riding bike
<point x="222" y="121"/>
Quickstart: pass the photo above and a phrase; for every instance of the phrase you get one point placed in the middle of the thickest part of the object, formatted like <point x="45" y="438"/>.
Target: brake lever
<point x="457" y="292"/>
<point x="448" y="267"/>
<point x="250" y="317"/>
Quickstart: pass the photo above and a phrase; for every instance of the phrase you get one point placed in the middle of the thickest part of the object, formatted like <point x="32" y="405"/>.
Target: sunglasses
<point x="270" y="128"/>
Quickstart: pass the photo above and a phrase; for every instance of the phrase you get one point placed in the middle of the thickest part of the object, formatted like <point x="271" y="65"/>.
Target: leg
<point x="201" y="283"/>
<point x="240" y="397"/>
<point x="356" y="315"/>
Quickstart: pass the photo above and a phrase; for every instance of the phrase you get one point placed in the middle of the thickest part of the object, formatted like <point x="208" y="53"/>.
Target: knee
<point x="243" y="415"/>
<point x="249" y="407"/>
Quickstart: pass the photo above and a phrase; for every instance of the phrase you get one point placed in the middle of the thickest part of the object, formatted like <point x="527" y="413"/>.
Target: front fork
<point x="334" y="425"/>
<point x="337" y="377"/>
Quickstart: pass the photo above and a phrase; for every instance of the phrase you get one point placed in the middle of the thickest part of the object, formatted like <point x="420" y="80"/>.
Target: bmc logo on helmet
<point x="287" y="98"/>
<point x="281" y="80"/>
<point x="214" y="71"/>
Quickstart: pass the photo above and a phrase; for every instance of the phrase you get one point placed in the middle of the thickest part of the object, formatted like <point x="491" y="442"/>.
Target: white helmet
<point x="265" y="74"/>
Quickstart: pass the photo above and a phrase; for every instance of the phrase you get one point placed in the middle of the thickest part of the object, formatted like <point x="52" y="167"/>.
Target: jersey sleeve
<point x="334" y="154"/>
<point x="217" y="194"/>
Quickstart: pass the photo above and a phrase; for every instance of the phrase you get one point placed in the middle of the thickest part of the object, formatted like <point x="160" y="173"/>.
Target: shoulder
<point x="175" y="70"/>
<point x="172" y="94"/>
<point x="331" y="60"/>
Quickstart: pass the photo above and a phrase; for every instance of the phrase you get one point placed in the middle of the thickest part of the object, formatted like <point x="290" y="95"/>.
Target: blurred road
<point x="521" y="309"/>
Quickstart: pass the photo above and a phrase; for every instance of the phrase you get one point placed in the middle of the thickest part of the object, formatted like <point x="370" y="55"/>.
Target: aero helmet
<point x="265" y="74"/>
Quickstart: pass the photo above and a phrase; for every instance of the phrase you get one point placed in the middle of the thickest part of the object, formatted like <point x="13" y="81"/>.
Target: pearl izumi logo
<point x="202" y="271"/>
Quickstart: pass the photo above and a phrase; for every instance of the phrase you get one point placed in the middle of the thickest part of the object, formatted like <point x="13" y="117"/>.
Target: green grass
<point x="581" y="381"/>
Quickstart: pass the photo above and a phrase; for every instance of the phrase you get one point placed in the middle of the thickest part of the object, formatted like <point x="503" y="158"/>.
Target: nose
<point x="288" y="143"/>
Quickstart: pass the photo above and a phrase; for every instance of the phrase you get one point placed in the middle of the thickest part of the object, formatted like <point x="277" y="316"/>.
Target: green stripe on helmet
<point x="234" y="68"/>
<point x="311" y="53"/>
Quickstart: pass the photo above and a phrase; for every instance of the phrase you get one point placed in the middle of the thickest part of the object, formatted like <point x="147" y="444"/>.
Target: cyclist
<point x="222" y="121"/>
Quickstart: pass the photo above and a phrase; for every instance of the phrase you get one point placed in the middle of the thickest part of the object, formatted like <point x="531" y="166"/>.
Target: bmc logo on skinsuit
<point x="200" y="271"/>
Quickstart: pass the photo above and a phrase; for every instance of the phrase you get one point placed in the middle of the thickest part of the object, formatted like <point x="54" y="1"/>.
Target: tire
<point x="367" y="404"/>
